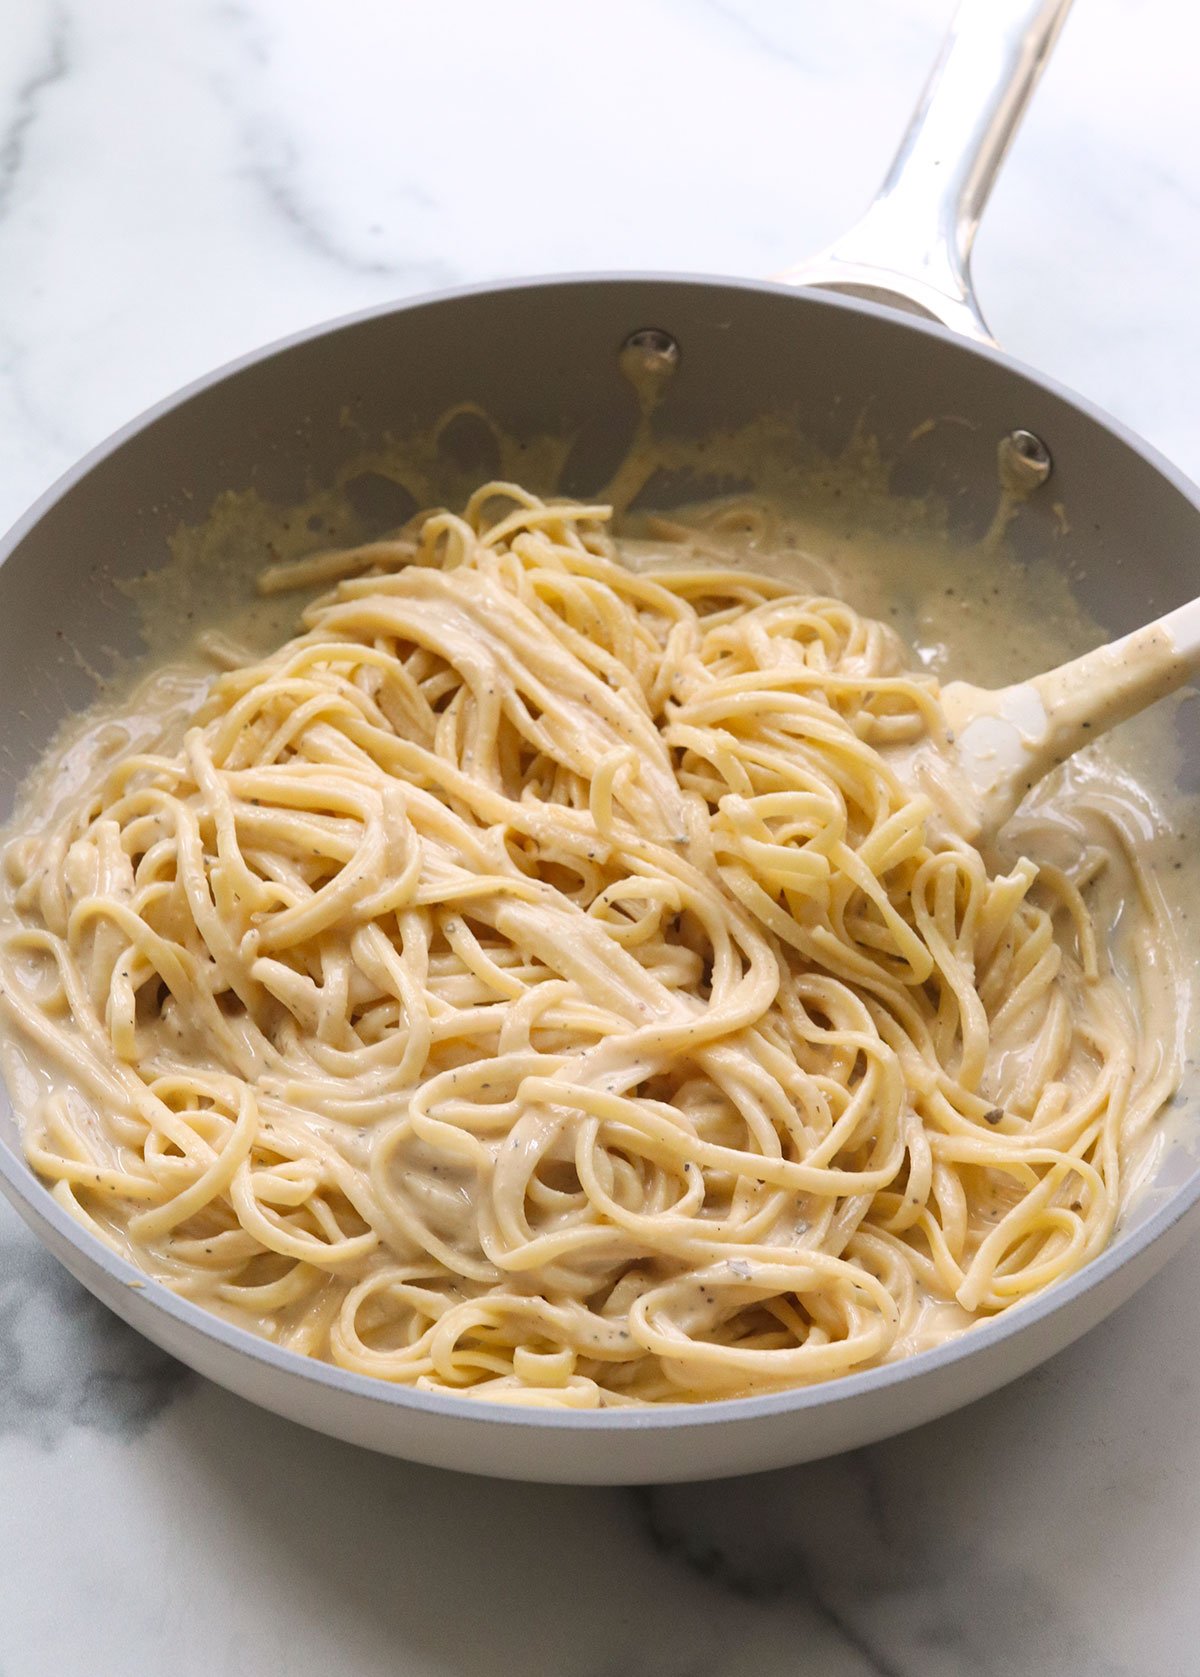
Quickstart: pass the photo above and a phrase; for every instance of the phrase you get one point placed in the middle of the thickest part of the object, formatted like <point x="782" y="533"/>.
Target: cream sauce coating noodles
<point x="536" y="981"/>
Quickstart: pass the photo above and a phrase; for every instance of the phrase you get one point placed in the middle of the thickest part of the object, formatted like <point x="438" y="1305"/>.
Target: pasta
<point x="539" y="980"/>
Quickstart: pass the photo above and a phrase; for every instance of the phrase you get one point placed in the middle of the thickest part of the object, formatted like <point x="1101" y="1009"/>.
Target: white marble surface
<point x="180" y="181"/>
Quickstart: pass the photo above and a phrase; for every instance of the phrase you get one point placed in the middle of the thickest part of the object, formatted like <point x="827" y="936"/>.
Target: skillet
<point x="885" y="323"/>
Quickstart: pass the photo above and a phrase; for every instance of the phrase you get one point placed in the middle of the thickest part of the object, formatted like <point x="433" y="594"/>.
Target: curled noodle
<point x="537" y="980"/>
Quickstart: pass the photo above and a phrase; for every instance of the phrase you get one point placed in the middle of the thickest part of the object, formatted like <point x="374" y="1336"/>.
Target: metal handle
<point x="912" y="249"/>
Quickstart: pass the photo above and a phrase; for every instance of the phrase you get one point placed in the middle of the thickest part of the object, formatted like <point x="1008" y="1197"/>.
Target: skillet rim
<point x="33" y="1202"/>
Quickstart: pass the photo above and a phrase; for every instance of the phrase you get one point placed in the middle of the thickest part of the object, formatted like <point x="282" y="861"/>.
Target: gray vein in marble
<point x="274" y="167"/>
<point x="24" y="111"/>
<point x="25" y="106"/>
<point x="787" y="1575"/>
<point x="868" y="1546"/>
<point x="274" y="177"/>
<point x="66" y="1361"/>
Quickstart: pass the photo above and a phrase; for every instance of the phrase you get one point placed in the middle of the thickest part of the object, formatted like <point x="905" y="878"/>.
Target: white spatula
<point x="1003" y="741"/>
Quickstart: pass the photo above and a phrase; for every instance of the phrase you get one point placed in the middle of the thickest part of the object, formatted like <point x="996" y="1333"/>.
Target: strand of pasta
<point x="537" y="980"/>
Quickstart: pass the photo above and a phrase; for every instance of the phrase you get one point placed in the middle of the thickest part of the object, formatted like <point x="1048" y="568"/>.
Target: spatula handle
<point x="1093" y="693"/>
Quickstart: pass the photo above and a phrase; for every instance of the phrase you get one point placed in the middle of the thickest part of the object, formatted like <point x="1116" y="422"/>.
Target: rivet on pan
<point x="648" y="354"/>
<point x="1025" y="461"/>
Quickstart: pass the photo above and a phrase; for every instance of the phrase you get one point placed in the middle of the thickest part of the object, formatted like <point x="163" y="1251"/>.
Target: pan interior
<point x="884" y="433"/>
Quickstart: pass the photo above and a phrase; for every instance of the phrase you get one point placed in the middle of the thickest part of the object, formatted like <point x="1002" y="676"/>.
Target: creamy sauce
<point x="975" y="610"/>
<point x="963" y="611"/>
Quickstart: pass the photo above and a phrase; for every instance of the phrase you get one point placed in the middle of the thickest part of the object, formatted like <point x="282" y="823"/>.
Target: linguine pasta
<point x="540" y="980"/>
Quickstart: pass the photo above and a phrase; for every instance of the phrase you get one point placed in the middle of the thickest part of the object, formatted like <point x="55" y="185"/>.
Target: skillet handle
<point x="912" y="249"/>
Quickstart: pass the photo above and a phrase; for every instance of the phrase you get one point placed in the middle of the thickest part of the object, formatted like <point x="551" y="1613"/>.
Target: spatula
<point x="1003" y="741"/>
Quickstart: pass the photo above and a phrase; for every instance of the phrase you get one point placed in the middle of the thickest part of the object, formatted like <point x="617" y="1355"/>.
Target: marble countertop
<point x="181" y="182"/>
